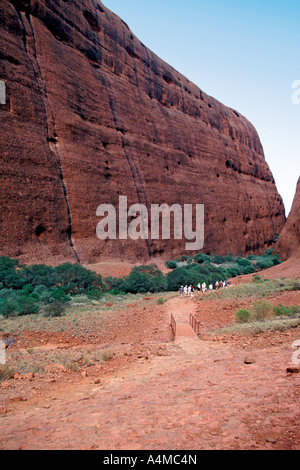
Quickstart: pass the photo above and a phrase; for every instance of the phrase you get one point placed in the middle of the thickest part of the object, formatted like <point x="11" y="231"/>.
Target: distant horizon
<point x="241" y="53"/>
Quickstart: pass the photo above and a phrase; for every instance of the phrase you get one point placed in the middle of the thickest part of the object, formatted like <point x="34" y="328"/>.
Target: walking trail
<point x="200" y="395"/>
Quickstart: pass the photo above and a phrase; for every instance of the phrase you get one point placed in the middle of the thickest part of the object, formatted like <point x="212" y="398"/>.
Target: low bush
<point x="257" y="279"/>
<point x="144" y="279"/>
<point x="201" y="258"/>
<point x="76" y="278"/>
<point x="27" y="305"/>
<point x="244" y="262"/>
<point x="112" y="283"/>
<point x="243" y="316"/>
<point x="261" y="310"/>
<point x="27" y="289"/>
<point x="217" y="259"/>
<point x="94" y="294"/>
<point x="39" y="275"/>
<point x="295" y="285"/>
<point x="55" y="309"/>
<point x="8" y="307"/>
<point x="285" y="310"/>
<point x="171" y="264"/>
<point x="73" y="277"/>
<point x="178" y="277"/>
<point x="137" y="282"/>
<point x="10" y="274"/>
<point x="6" y="372"/>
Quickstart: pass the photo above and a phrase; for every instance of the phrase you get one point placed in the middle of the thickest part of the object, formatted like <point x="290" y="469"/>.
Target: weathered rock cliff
<point x="92" y="114"/>
<point x="288" y="244"/>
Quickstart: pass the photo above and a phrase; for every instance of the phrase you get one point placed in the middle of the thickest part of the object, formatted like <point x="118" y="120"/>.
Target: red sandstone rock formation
<point x="288" y="244"/>
<point x="92" y="114"/>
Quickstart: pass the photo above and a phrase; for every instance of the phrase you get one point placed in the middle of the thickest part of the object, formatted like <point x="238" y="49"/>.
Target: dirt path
<point x="200" y="395"/>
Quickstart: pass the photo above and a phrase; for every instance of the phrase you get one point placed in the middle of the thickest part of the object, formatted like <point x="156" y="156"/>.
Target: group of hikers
<point x="189" y="291"/>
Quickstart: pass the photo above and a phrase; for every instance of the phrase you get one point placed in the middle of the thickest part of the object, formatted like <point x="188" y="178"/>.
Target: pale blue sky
<point x="243" y="53"/>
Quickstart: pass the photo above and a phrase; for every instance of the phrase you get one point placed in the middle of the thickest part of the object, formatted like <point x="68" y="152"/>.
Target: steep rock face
<point x="288" y="244"/>
<point x="92" y="115"/>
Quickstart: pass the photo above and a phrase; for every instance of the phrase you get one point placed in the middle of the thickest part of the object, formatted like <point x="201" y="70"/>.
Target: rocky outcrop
<point x="91" y="114"/>
<point x="288" y="244"/>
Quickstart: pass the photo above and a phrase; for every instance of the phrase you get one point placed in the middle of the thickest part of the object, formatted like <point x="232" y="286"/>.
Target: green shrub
<point x="40" y="274"/>
<point x="75" y="278"/>
<point x="217" y="259"/>
<point x="232" y="272"/>
<point x="285" y="310"/>
<point x="264" y="263"/>
<point x="243" y="316"/>
<point x="245" y="265"/>
<point x="11" y="274"/>
<point x="144" y="279"/>
<point x="276" y="260"/>
<point x="113" y="284"/>
<point x="27" y="289"/>
<point x="159" y="283"/>
<point x="280" y="310"/>
<point x="257" y="279"/>
<point x="150" y="269"/>
<point x="248" y="269"/>
<point x="8" y="307"/>
<point x="171" y="264"/>
<point x="202" y="258"/>
<point x="55" y="309"/>
<point x="95" y="294"/>
<point x="58" y="294"/>
<point x="160" y="301"/>
<point x="27" y="305"/>
<point x="244" y="262"/>
<point x="137" y="282"/>
<point x="261" y="310"/>
<point x="43" y="294"/>
<point x="199" y="270"/>
<point x="6" y="293"/>
<point x="178" y="277"/>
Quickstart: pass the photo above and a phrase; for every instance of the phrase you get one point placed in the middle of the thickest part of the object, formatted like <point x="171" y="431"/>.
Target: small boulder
<point x="293" y="370"/>
<point x="249" y="360"/>
<point x="29" y="376"/>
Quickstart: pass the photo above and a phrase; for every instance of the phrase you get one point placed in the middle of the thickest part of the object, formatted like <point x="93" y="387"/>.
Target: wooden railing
<point x="173" y="324"/>
<point x="195" y="324"/>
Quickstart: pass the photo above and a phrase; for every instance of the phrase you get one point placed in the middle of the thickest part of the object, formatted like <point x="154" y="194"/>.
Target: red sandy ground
<point x="156" y="393"/>
<point x="121" y="269"/>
